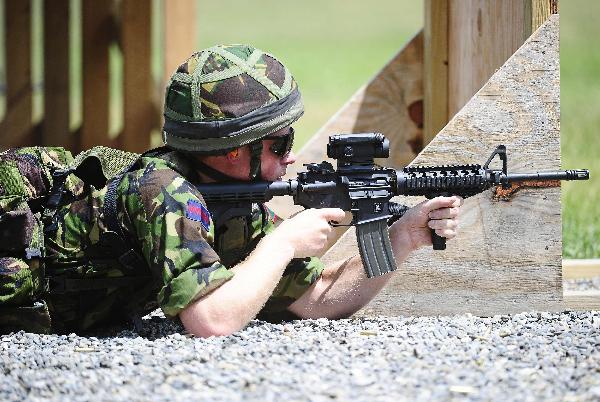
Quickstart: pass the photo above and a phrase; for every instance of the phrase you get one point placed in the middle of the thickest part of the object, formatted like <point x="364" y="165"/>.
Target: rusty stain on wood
<point x="506" y="194"/>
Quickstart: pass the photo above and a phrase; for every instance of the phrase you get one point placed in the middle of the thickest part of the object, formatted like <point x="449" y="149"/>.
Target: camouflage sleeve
<point x="174" y="231"/>
<point x="297" y="277"/>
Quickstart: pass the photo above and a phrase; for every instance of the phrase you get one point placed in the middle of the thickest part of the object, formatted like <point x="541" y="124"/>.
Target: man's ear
<point x="233" y="155"/>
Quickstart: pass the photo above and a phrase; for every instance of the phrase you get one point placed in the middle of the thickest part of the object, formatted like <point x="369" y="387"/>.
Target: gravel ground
<point x="520" y="357"/>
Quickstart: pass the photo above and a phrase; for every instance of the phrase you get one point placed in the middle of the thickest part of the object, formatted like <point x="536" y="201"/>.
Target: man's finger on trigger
<point x="333" y="214"/>
<point x="458" y="201"/>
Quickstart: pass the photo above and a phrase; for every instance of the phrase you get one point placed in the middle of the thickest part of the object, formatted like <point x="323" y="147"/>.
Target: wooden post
<point x="56" y="121"/>
<point x="436" y="68"/>
<point x="139" y="114"/>
<point x="179" y="34"/>
<point x="17" y="126"/>
<point x="480" y="36"/>
<point x="98" y="30"/>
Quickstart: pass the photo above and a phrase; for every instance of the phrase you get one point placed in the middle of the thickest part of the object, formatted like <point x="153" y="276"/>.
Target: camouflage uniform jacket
<point x="167" y="222"/>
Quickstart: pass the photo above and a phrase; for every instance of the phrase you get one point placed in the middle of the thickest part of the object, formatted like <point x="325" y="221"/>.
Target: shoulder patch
<point x="198" y="212"/>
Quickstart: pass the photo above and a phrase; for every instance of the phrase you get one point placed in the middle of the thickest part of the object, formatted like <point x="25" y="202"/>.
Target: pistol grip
<point x="439" y="242"/>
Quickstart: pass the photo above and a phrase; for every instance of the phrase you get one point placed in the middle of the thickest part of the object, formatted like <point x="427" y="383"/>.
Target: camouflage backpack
<point x="34" y="182"/>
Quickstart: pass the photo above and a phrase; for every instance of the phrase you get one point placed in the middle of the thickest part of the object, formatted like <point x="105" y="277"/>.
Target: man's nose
<point x="289" y="158"/>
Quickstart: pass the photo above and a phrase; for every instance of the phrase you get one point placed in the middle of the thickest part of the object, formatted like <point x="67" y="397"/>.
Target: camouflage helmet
<point x="228" y="96"/>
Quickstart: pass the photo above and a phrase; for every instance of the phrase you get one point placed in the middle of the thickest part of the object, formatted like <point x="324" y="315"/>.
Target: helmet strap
<point x="255" y="152"/>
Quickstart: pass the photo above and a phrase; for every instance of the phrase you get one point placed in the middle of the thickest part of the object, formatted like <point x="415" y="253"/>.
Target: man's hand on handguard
<point x="307" y="232"/>
<point x="412" y="231"/>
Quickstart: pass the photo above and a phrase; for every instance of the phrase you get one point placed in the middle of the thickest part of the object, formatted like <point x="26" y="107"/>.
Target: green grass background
<point x="580" y="125"/>
<point x="334" y="46"/>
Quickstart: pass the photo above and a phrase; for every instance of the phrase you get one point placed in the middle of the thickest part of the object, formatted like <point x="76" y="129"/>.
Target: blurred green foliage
<point x="580" y="125"/>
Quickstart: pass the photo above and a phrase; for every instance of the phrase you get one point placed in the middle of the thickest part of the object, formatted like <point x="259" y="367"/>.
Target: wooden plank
<point x="581" y="268"/>
<point x="179" y="34"/>
<point x="98" y="30"/>
<point x="17" y="124"/>
<point x="139" y="113"/>
<point x="482" y="36"/>
<point x="503" y="260"/>
<point x="436" y="68"/>
<point x="390" y="103"/>
<point x="56" y="74"/>
<point x="582" y="300"/>
<point x="537" y="12"/>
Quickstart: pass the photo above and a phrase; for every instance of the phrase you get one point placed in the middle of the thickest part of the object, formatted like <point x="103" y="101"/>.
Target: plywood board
<point x="507" y="257"/>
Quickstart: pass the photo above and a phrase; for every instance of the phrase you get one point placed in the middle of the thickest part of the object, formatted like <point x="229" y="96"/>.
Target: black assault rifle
<point x="365" y="189"/>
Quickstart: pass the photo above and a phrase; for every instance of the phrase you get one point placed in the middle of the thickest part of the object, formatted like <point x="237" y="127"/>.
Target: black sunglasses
<point x="282" y="144"/>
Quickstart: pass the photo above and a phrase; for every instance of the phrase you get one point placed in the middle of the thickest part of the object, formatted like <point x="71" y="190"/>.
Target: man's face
<point x="273" y="167"/>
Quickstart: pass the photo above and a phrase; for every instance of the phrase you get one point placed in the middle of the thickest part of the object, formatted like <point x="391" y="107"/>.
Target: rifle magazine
<point x="375" y="248"/>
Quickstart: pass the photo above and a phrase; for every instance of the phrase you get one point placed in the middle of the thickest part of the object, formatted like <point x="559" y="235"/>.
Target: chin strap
<point x="255" y="154"/>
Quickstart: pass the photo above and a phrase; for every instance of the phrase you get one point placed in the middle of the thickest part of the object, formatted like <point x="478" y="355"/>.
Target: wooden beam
<point x="139" y="114"/>
<point x="17" y="125"/>
<point x="537" y="12"/>
<point x="436" y="68"/>
<point x="581" y="268"/>
<point x="582" y="300"/>
<point x="390" y="103"/>
<point x="503" y="260"/>
<point x="179" y="34"/>
<point x="56" y="121"/>
<point x="98" y="31"/>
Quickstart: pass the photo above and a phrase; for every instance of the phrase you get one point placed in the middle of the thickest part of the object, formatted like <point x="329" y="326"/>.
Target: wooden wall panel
<point x="17" y="125"/>
<point x="466" y="41"/>
<point x="98" y="31"/>
<point x="140" y="112"/>
<point x="507" y="256"/>
<point x="56" y="75"/>
<point x="482" y="35"/>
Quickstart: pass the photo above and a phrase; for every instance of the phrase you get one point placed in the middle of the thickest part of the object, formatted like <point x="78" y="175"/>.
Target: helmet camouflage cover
<point x="228" y="96"/>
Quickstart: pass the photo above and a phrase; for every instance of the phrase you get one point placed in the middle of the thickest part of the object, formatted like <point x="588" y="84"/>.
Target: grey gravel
<point x="582" y="284"/>
<point x="520" y="357"/>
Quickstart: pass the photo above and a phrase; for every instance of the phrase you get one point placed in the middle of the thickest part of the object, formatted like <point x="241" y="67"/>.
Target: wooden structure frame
<point x="104" y="23"/>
